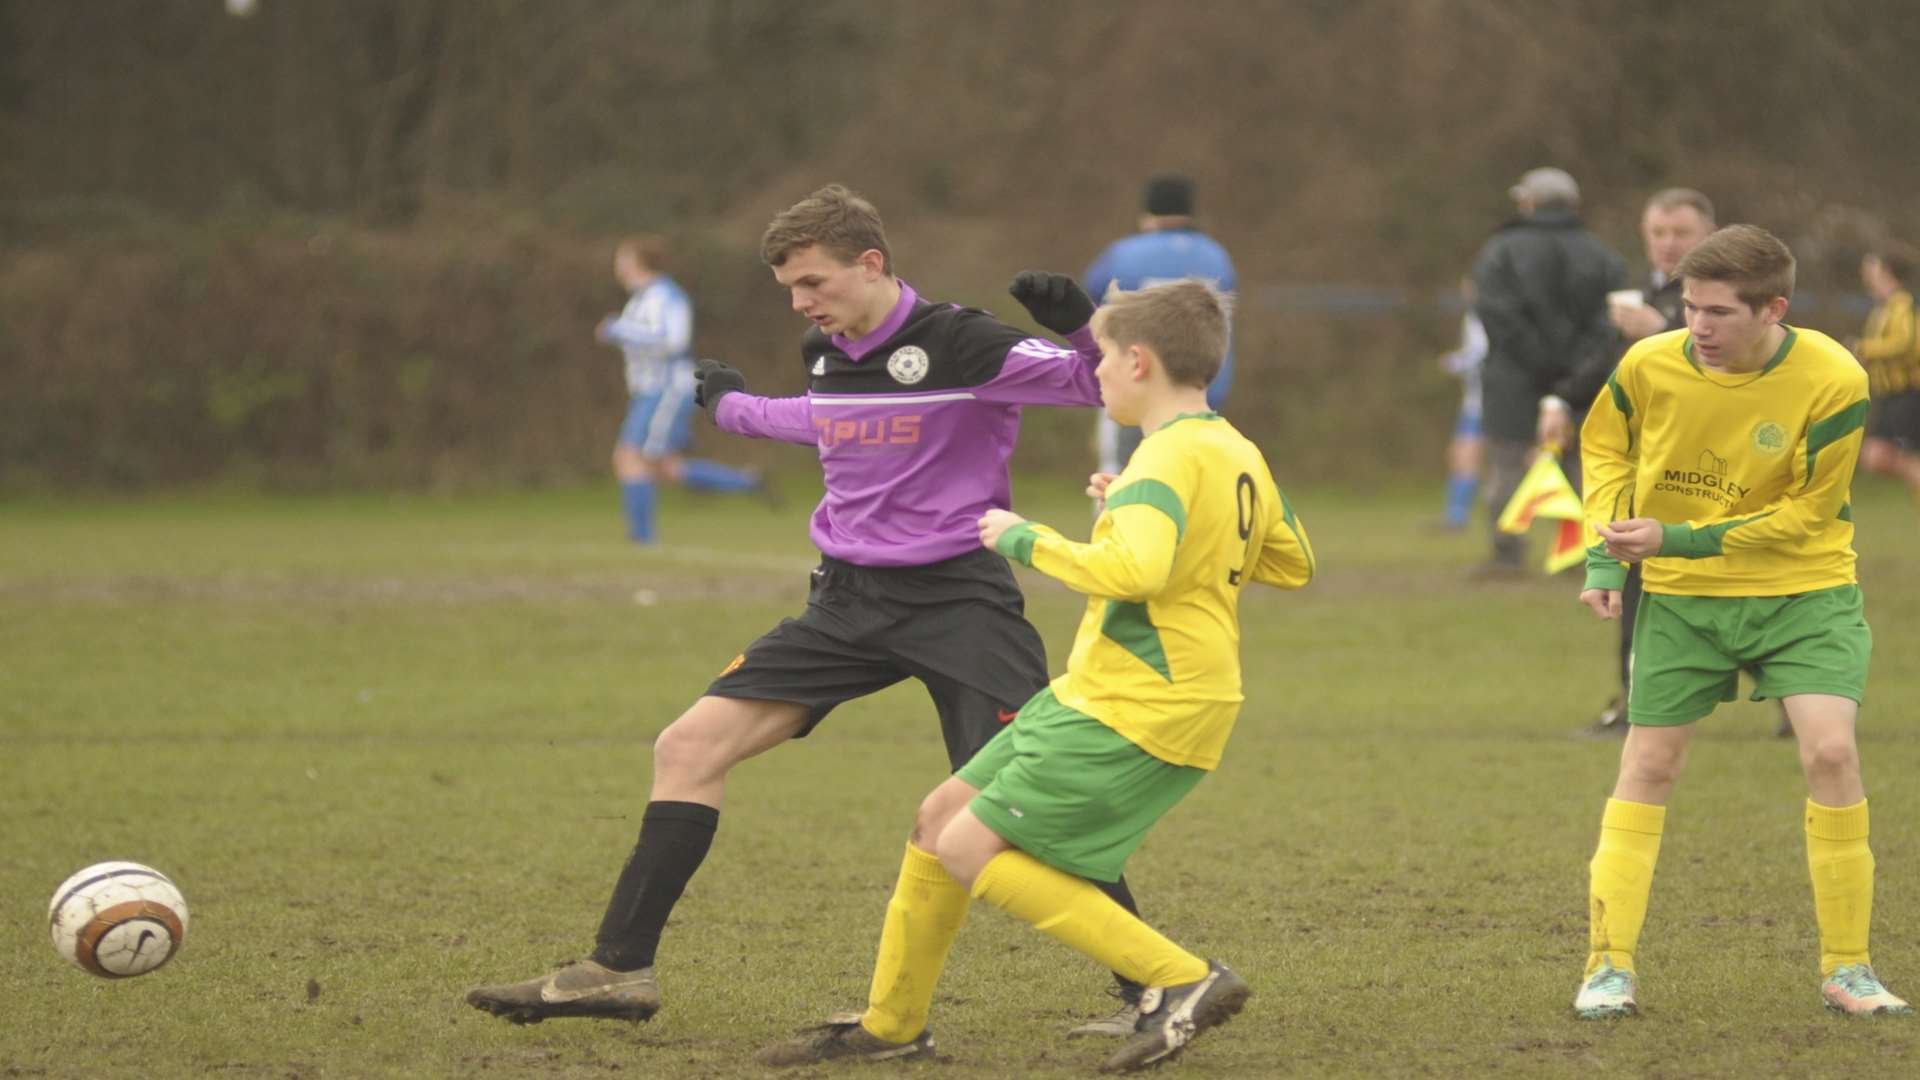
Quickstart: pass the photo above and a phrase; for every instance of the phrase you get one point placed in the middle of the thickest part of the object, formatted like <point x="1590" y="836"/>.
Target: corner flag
<point x="1545" y="492"/>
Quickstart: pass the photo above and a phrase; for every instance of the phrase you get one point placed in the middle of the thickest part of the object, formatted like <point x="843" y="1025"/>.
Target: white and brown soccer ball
<point x="118" y="919"/>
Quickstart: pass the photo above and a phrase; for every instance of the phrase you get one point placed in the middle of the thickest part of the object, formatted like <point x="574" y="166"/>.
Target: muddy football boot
<point x="841" y="1040"/>
<point x="581" y="988"/>
<point x="1173" y="1016"/>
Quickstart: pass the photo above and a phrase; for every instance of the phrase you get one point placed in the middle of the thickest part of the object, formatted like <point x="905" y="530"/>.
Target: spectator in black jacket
<point x="1541" y="283"/>
<point x="1675" y="221"/>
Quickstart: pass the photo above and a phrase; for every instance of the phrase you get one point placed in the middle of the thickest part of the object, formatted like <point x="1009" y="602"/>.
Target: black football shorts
<point x="958" y="626"/>
<point x="1896" y="418"/>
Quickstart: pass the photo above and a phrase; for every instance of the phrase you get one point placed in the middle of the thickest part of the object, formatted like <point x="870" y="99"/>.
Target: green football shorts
<point x="1071" y="791"/>
<point x="1688" y="651"/>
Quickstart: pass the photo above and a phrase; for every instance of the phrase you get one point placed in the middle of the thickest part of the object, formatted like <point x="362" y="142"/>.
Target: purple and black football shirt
<point x="914" y="422"/>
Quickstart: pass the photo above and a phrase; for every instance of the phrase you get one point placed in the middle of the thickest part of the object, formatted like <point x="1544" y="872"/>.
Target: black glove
<point x="1055" y="301"/>
<point x="713" y="380"/>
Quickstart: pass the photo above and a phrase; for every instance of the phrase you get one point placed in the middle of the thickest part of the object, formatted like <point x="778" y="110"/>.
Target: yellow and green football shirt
<point x="1750" y="474"/>
<point x="1188" y="523"/>
<point x="1890" y="348"/>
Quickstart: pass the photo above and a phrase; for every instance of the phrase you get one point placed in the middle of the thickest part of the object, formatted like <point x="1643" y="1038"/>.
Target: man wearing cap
<point x="1540" y="284"/>
<point x="1168" y="247"/>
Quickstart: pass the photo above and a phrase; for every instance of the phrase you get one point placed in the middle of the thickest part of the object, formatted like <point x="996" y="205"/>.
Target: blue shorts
<point x="1467" y="426"/>
<point x="659" y="424"/>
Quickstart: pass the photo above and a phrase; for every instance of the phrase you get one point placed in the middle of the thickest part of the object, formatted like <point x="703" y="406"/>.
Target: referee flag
<point x="1545" y="493"/>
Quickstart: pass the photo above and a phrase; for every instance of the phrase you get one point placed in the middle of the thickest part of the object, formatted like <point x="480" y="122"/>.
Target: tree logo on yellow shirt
<point x="1769" y="438"/>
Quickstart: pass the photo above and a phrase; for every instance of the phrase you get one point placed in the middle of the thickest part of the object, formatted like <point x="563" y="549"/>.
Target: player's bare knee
<point x="929" y="820"/>
<point x="674" y="751"/>
<point x="718" y="733"/>
<point x="938" y="809"/>
<point x="926" y="827"/>
<point x="948" y="845"/>
<point x="1653" y="767"/>
<point x="1652" y="776"/>
<point x="691" y="747"/>
<point x="1831" y="756"/>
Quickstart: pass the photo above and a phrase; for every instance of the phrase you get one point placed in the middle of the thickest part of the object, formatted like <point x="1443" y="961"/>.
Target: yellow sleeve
<point x="1286" y="557"/>
<point x="1130" y="556"/>
<point x="1609" y="460"/>
<point x="1823" y="462"/>
<point x="1893" y="336"/>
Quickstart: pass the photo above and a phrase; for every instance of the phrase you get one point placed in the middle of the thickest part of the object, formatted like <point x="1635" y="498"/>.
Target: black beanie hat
<point x="1169" y="195"/>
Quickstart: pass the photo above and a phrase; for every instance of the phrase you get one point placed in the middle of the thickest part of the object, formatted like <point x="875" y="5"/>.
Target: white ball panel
<point x="132" y="916"/>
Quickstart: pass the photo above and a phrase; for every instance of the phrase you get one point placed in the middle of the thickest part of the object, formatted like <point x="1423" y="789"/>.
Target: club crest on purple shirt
<point x="908" y="364"/>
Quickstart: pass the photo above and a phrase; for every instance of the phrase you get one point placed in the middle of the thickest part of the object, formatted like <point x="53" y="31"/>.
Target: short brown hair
<point x="1748" y="257"/>
<point x="1674" y="198"/>
<point x="836" y="219"/>
<point x="1183" y="322"/>
<point x="649" y="248"/>
<point x="1898" y="258"/>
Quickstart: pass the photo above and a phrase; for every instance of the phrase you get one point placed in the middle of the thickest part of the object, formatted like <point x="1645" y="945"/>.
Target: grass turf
<point x="394" y="747"/>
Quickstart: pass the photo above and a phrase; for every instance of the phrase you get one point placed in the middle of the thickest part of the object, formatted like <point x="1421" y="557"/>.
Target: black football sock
<point x="1118" y="892"/>
<point x="674" y="838"/>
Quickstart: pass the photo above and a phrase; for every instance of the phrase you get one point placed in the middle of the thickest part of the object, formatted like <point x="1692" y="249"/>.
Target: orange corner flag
<point x="1545" y="492"/>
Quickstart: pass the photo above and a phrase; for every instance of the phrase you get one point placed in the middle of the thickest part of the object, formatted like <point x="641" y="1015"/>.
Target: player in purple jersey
<point x="913" y="406"/>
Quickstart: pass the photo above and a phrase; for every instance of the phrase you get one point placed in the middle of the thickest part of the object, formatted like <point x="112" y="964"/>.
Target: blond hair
<point x="836" y="219"/>
<point x="1747" y="257"/>
<point x="1184" y="323"/>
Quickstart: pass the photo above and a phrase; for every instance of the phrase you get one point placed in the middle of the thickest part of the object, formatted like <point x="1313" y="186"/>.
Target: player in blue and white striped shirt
<point x="655" y="333"/>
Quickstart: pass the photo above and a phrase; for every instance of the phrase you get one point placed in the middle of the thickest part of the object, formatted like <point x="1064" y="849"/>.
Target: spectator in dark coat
<point x="1541" y="284"/>
<point x="1675" y="221"/>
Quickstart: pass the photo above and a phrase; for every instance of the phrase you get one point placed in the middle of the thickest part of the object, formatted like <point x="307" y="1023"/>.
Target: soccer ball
<point x="118" y="919"/>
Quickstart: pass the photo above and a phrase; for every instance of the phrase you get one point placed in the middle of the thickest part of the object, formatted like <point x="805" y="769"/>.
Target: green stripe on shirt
<point x="1150" y="492"/>
<point x="1129" y="626"/>
<point x="1826" y="432"/>
<point x="1623" y="403"/>
<point x="1686" y="542"/>
<point x="1286" y="515"/>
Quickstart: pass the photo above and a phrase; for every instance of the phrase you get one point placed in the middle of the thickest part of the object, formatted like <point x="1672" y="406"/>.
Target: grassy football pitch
<point x="393" y="747"/>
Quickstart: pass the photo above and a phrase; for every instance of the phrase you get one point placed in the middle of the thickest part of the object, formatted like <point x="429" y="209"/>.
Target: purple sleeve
<point x="789" y="419"/>
<point x="1038" y="372"/>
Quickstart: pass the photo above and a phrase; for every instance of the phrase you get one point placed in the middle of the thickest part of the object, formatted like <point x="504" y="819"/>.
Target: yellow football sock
<point x="926" y="912"/>
<point x="1621" y="877"/>
<point x="1073" y="912"/>
<point x="1841" y="865"/>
